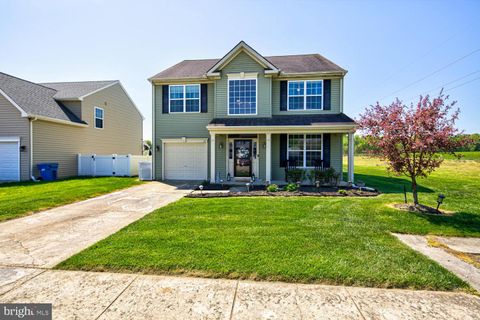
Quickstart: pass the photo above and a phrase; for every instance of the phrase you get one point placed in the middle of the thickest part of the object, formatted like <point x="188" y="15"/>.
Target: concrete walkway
<point x="462" y="269"/>
<point x="91" y="295"/>
<point x="49" y="237"/>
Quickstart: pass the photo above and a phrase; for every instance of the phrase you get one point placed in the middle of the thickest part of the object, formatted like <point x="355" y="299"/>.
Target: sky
<point x="390" y="48"/>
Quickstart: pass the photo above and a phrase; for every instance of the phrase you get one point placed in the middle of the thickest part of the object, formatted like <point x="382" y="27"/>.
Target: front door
<point x="242" y="158"/>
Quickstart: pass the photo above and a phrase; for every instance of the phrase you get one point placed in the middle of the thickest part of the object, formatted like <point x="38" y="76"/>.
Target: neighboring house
<point x="248" y="115"/>
<point x="53" y="122"/>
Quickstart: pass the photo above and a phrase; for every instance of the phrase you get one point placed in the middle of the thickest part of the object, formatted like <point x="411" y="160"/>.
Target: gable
<point x="242" y="62"/>
<point x="232" y="54"/>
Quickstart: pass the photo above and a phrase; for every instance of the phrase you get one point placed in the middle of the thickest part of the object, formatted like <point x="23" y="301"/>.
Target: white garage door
<point x="9" y="160"/>
<point x="185" y="161"/>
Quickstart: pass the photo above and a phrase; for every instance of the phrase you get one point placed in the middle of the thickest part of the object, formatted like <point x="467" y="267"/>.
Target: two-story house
<point x="54" y="122"/>
<point x="248" y="115"/>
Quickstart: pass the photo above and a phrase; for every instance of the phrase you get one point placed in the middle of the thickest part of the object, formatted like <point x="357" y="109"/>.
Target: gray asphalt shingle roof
<point x="285" y="120"/>
<point x="287" y="64"/>
<point x="45" y="99"/>
<point x="35" y="99"/>
<point x="75" y="90"/>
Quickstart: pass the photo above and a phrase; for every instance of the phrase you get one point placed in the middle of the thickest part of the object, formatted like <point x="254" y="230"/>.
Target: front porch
<point x="238" y="156"/>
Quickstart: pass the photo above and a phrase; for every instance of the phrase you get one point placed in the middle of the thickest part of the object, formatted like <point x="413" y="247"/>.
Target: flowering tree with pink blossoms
<point x="409" y="138"/>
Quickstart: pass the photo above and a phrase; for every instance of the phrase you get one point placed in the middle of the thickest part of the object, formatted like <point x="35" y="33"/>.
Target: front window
<point x="305" y="95"/>
<point x="99" y="116"/>
<point x="305" y="149"/>
<point x="184" y="98"/>
<point x="242" y="96"/>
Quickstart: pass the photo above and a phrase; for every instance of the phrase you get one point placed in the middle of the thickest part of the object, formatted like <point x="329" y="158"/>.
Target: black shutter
<point x="283" y="150"/>
<point x="165" y="99"/>
<point x="326" y="150"/>
<point x="327" y="94"/>
<point x="283" y="95"/>
<point x="204" y="95"/>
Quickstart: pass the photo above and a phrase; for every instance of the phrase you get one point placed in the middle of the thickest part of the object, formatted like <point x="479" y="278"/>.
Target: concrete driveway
<point x="49" y="237"/>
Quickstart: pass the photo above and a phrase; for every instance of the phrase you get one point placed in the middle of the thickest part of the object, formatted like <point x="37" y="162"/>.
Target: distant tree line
<point x="362" y="145"/>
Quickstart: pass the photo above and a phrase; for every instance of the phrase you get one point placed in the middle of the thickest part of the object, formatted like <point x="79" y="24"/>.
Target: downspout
<point x="31" y="149"/>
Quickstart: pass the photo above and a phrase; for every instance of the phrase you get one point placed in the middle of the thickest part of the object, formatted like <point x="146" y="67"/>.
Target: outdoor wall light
<point x="220" y="145"/>
<point x="440" y="200"/>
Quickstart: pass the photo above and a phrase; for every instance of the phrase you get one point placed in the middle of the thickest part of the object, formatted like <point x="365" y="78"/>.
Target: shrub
<point x="295" y="175"/>
<point x="343" y="192"/>
<point x="205" y="183"/>
<point x="272" y="188"/>
<point x="291" y="187"/>
<point x="317" y="175"/>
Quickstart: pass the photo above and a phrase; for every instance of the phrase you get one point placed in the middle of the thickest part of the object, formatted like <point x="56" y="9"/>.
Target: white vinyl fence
<point x="109" y="165"/>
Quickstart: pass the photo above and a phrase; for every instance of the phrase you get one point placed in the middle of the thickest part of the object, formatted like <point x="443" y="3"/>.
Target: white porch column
<point x="350" y="156"/>
<point x="268" y="157"/>
<point x="212" y="157"/>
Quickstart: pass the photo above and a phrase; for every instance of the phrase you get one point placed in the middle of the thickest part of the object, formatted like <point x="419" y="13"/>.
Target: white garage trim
<point x="17" y="140"/>
<point x="184" y="140"/>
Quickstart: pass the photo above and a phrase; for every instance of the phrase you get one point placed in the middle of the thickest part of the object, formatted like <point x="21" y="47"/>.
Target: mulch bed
<point x="324" y="192"/>
<point x="213" y="187"/>
<point x="420" y="208"/>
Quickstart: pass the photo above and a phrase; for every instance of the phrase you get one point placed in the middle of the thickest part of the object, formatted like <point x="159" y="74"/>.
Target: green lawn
<point x="22" y="198"/>
<point x="324" y="240"/>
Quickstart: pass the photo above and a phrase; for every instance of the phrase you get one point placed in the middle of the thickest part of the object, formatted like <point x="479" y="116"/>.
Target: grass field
<point x="22" y="198"/>
<point x="322" y="240"/>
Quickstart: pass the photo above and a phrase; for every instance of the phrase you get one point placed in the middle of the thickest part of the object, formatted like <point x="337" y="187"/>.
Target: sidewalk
<point x="92" y="295"/>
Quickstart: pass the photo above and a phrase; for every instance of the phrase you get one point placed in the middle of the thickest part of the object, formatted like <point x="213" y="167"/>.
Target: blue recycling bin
<point x="48" y="171"/>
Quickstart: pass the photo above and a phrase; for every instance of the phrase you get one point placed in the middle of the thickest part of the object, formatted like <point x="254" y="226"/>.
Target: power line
<point x="446" y="84"/>
<point x="432" y="73"/>
<point x="463" y="84"/>
<point x="413" y="61"/>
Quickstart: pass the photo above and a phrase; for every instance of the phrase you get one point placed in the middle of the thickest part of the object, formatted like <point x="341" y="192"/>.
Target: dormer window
<point x="242" y="94"/>
<point x="184" y="98"/>
<point x="305" y="95"/>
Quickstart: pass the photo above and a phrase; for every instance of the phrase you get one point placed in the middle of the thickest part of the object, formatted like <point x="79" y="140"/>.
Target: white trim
<point x="184" y="99"/>
<point x="242" y="75"/>
<point x="24" y="114"/>
<point x="95" y="118"/>
<point x="268" y="157"/>
<point x="95" y="91"/>
<point x="325" y="128"/>
<point x="256" y="98"/>
<point x="241" y="46"/>
<point x="9" y="139"/>
<point x="305" y="94"/>
<point x="184" y="140"/>
<point x="304" y="165"/>
<point x="212" y="157"/>
<point x="67" y="122"/>
<point x="154" y="140"/>
<point x="351" y="152"/>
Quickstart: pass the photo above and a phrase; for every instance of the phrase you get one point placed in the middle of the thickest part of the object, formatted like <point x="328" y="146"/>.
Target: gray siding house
<point x="247" y="115"/>
<point x="54" y="122"/>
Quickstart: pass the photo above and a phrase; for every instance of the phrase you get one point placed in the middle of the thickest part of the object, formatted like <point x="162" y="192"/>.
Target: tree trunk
<point x="414" y="191"/>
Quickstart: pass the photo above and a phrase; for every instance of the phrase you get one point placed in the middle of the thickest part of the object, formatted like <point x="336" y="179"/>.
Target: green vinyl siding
<point x="178" y="125"/>
<point x="221" y="157"/>
<point x="335" y="99"/>
<point x="336" y="155"/>
<point x="243" y="63"/>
